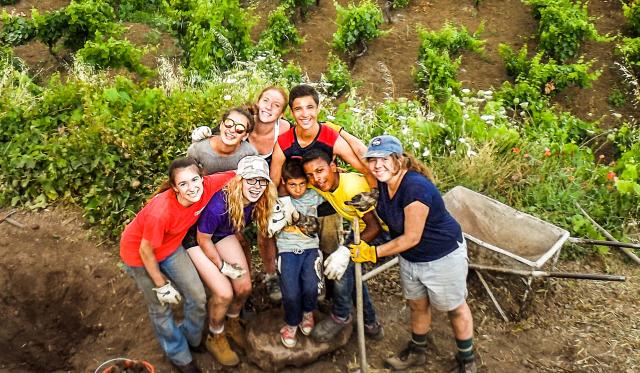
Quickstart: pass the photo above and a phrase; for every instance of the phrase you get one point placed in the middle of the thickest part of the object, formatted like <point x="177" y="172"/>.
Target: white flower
<point x="471" y="153"/>
<point x="617" y="115"/>
<point x="356" y="110"/>
<point x="462" y="140"/>
<point x="465" y="116"/>
<point x="447" y="142"/>
<point x="426" y="152"/>
<point x="416" y="145"/>
<point x="524" y="105"/>
<point x="230" y="80"/>
<point x="523" y="113"/>
<point x="488" y="93"/>
<point x="452" y="152"/>
<point x="260" y="58"/>
<point x="405" y="130"/>
<point x="227" y="97"/>
<point x="466" y="91"/>
<point x="331" y="117"/>
<point x="431" y="115"/>
<point x="402" y="118"/>
<point x="488" y="118"/>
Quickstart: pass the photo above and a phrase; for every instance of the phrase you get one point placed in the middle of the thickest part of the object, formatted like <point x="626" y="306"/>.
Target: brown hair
<point x="248" y="111"/>
<point x="409" y="162"/>
<point x="176" y="165"/>
<point x="235" y="205"/>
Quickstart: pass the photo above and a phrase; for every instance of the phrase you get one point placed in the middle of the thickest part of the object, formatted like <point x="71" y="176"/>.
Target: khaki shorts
<point x="442" y="281"/>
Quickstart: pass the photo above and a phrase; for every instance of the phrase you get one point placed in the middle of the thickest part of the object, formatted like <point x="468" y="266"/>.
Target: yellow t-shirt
<point x="350" y="184"/>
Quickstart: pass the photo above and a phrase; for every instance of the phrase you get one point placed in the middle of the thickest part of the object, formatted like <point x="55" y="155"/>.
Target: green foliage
<point x="113" y="53"/>
<point x="436" y="74"/>
<point x="564" y="26"/>
<point x="16" y="30"/>
<point x="337" y="77"/>
<point x="616" y="98"/>
<point x="357" y="24"/>
<point x="50" y="27"/>
<point x="632" y="14"/>
<point x="629" y="50"/>
<point x="129" y="9"/>
<point x="397" y="4"/>
<point x="280" y="33"/>
<point x="8" y="2"/>
<point x="85" y="18"/>
<point x="301" y="5"/>
<point x="9" y="61"/>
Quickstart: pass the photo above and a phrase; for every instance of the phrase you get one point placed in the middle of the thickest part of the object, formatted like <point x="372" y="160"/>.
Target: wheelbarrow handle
<point x="587" y="241"/>
<point x="536" y="273"/>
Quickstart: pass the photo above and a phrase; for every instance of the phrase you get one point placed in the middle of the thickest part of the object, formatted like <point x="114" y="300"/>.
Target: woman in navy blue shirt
<point x="433" y="254"/>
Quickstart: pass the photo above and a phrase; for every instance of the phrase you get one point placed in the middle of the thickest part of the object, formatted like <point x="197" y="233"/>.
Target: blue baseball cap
<point x="382" y="146"/>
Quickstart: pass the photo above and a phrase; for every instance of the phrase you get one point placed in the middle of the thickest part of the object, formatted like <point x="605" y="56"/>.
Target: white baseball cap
<point x="253" y="166"/>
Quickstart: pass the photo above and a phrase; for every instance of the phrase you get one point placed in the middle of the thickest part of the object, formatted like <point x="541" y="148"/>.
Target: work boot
<point x="219" y="347"/>
<point x="235" y="331"/>
<point x="328" y="328"/>
<point x="464" y="366"/>
<point x="374" y="331"/>
<point x="273" y="287"/>
<point x="188" y="368"/>
<point x="413" y="355"/>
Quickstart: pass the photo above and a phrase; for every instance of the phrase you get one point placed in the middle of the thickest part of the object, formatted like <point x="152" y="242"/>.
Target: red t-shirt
<point x="164" y="222"/>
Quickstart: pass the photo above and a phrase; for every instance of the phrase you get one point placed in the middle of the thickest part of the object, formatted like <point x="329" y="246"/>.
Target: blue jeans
<point x="175" y="339"/>
<point x="298" y="283"/>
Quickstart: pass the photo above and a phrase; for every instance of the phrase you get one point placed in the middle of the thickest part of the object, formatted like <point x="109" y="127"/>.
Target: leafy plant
<point x="632" y="14"/>
<point x="357" y="24"/>
<point x="301" y="5"/>
<point x="337" y="78"/>
<point x="616" y="98"/>
<point x="397" y="4"/>
<point x="8" y="2"/>
<point x="16" y="30"/>
<point x="85" y="18"/>
<point x="280" y="33"/>
<point x="113" y="53"/>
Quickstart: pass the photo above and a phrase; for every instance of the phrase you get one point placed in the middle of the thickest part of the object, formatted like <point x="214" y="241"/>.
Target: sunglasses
<point x="238" y="127"/>
<point x="261" y="182"/>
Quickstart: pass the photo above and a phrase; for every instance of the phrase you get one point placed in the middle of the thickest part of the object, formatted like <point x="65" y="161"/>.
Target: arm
<point x="209" y="249"/>
<point x="342" y="149"/>
<point x="415" y="218"/>
<point x="373" y="227"/>
<point x="150" y="263"/>
<point x="277" y="160"/>
<point x="358" y="147"/>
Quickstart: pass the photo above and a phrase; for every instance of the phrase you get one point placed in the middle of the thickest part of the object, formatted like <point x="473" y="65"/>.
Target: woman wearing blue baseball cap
<point x="432" y="251"/>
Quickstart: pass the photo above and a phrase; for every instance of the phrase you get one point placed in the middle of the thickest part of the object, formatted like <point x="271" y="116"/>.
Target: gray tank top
<point x="213" y="162"/>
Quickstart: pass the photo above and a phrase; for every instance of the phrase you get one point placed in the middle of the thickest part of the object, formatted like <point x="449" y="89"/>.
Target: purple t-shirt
<point x="215" y="217"/>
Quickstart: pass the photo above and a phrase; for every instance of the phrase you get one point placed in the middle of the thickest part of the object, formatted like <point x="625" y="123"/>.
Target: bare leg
<point x="420" y="315"/>
<point x="267" y="248"/>
<point x="461" y="322"/>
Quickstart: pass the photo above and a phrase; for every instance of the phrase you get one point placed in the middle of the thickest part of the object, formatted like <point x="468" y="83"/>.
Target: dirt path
<point x="69" y="307"/>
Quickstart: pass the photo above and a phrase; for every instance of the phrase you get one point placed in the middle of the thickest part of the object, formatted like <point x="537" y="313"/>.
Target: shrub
<point x="337" y="77"/>
<point x="616" y="98"/>
<point x="280" y="33"/>
<point x="113" y="53"/>
<point x="16" y="30"/>
<point x="397" y="4"/>
<point x="452" y="39"/>
<point x="84" y="19"/>
<point x="632" y="14"/>
<point x="356" y="26"/>
<point x="301" y="5"/>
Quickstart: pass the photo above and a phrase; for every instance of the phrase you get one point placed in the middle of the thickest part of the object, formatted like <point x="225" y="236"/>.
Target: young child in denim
<point x="299" y="259"/>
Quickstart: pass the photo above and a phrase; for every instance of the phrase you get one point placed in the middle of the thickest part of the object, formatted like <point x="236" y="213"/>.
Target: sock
<point x="465" y="349"/>
<point x="419" y="339"/>
<point x="233" y="316"/>
<point x="217" y="330"/>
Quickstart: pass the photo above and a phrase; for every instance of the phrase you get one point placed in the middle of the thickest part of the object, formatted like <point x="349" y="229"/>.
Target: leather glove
<point x="200" y="133"/>
<point x="167" y="294"/>
<point x="363" y="252"/>
<point x="308" y="225"/>
<point x="233" y="271"/>
<point x="337" y="263"/>
<point x="365" y="200"/>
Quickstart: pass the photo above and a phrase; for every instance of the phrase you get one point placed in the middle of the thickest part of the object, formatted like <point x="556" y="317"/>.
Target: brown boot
<point x="235" y="331"/>
<point x="219" y="347"/>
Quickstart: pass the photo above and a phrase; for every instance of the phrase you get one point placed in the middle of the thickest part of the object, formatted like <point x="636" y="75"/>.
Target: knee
<point x="462" y="311"/>
<point x="222" y="298"/>
<point x="419" y="306"/>
<point x="243" y="290"/>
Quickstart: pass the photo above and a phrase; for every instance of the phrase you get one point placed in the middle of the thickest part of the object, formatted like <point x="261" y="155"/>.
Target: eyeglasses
<point x="261" y="182"/>
<point x="238" y="127"/>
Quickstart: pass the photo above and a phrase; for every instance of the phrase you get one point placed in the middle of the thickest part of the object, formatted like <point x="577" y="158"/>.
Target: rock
<point x="266" y="350"/>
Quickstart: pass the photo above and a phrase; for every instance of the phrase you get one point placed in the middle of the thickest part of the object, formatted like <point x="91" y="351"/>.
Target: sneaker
<point x="413" y="355"/>
<point x="307" y="324"/>
<point x="235" y="331"/>
<point x="219" y="347"/>
<point x="188" y="368"/>
<point x="328" y="328"/>
<point x="273" y="287"/>
<point x="462" y="366"/>
<point x="288" y="336"/>
<point x="374" y="331"/>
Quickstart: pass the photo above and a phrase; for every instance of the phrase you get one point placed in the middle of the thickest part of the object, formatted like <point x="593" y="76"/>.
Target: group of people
<point x="190" y="233"/>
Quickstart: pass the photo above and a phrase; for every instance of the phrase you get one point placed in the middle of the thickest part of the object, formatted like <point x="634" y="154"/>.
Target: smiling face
<point x="270" y="106"/>
<point x="305" y="112"/>
<point x="383" y="168"/>
<point x="322" y="175"/>
<point x="187" y="184"/>
<point x="252" y="189"/>
<point x="233" y="128"/>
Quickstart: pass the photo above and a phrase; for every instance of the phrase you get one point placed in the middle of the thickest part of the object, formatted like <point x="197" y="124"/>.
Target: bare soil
<point x="69" y="307"/>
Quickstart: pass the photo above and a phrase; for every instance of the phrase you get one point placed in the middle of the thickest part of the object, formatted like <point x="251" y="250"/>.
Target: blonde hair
<point x="408" y="162"/>
<point x="261" y="211"/>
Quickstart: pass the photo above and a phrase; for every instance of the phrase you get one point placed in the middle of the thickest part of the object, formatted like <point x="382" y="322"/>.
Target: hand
<point x="233" y="271"/>
<point x="365" y="200"/>
<point x="363" y="252"/>
<point x="200" y="133"/>
<point x="167" y="294"/>
<point x="308" y="225"/>
<point x="337" y="263"/>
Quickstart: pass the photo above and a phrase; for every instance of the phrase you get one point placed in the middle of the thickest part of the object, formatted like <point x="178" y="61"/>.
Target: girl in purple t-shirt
<point x="219" y="258"/>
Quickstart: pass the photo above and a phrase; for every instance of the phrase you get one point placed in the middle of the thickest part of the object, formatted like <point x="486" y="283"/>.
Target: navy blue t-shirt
<point x="441" y="233"/>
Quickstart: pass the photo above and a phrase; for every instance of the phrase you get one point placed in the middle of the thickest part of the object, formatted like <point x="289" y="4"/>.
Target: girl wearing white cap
<point x="219" y="258"/>
<point x="432" y="252"/>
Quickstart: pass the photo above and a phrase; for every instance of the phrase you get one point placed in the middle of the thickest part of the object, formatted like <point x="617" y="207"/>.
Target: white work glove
<point x="233" y="271"/>
<point x="337" y="263"/>
<point x="200" y="133"/>
<point x="167" y="294"/>
<point x="283" y="214"/>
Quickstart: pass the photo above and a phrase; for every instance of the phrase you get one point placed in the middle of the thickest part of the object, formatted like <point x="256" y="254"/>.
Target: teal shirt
<point x="290" y="238"/>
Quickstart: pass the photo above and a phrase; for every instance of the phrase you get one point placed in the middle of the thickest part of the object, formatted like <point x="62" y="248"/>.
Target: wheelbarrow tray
<point x="495" y="226"/>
